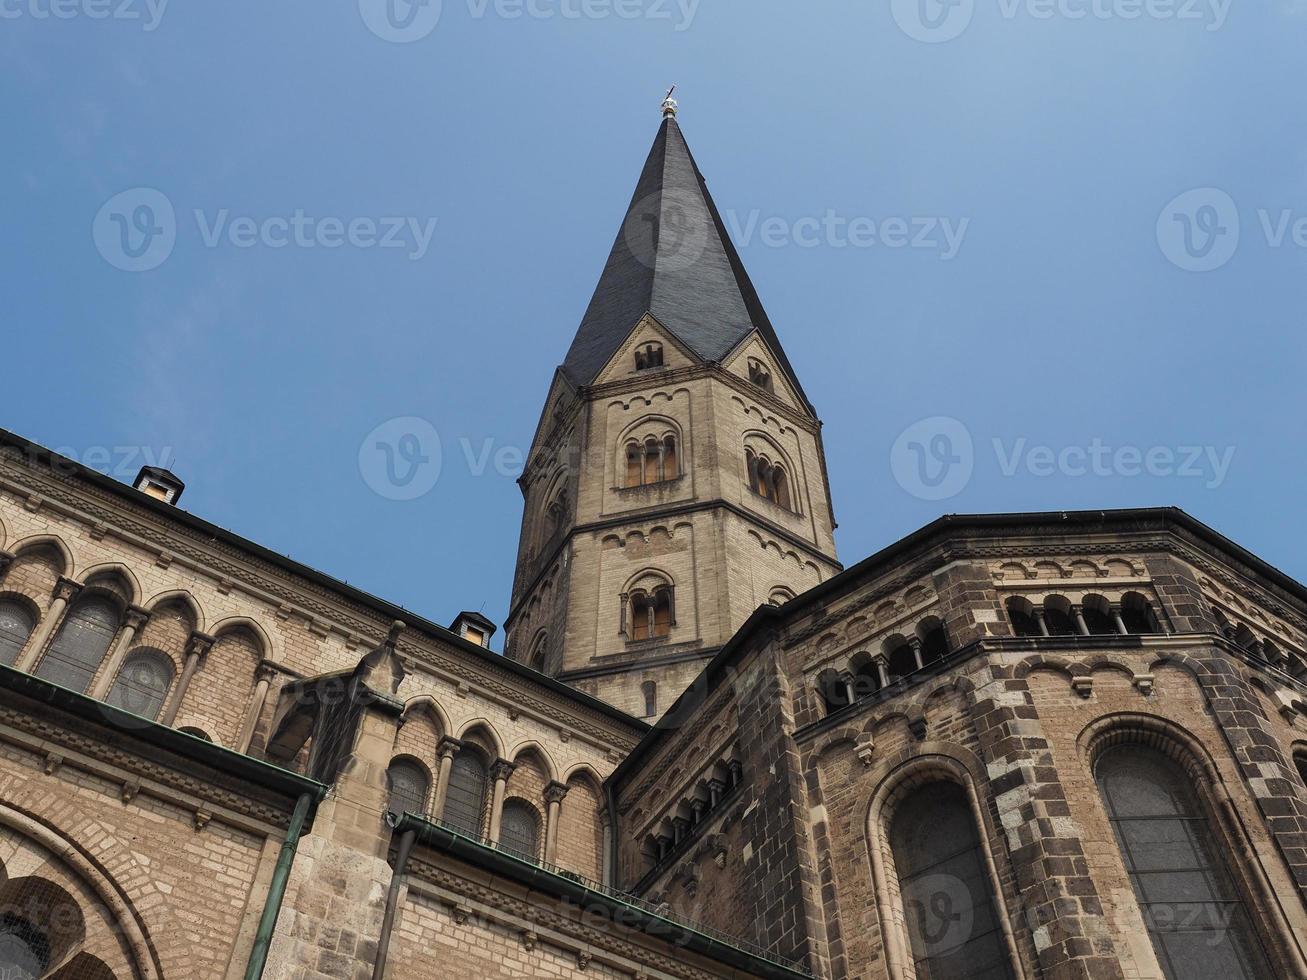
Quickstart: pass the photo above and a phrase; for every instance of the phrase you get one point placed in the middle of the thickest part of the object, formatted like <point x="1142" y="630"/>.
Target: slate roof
<point x="674" y="259"/>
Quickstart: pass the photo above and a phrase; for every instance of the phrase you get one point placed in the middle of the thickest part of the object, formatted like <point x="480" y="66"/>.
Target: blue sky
<point x="1100" y="336"/>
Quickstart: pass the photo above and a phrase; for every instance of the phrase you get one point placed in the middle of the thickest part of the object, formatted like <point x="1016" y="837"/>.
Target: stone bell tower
<point x="677" y="479"/>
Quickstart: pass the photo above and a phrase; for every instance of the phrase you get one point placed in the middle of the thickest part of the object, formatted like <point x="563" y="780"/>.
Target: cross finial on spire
<point x="669" y="104"/>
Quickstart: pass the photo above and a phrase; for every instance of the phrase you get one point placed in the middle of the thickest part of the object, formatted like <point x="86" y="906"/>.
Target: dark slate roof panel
<point x="674" y="259"/>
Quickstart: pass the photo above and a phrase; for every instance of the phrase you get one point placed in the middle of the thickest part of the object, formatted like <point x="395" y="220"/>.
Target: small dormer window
<point x="760" y="375"/>
<point x="474" y="628"/>
<point x="649" y="356"/>
<point x="159" y="483"/>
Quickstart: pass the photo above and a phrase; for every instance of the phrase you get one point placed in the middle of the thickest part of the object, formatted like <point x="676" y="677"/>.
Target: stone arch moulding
<point x="941" y="761"/>
<point x="114" y="568"/>
<point x="1186" y="750"/>
<point x="133" y="935"/>
<point x="269" y="643"/>
<point x="183" y="597"/>
<point x="531" y="745"/>
<point x="34" y="541"/>
<point x="484" y="726"/>
<point x="427" y="703"/>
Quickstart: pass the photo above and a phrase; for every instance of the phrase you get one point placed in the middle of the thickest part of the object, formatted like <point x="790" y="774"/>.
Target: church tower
<point x="677" y="478"/>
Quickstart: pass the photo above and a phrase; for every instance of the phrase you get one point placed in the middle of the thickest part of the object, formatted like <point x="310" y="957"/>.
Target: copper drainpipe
<point x="402" y="852"/>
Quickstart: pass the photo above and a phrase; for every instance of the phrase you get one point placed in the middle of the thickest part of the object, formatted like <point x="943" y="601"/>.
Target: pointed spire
<point x="673" y="259"/>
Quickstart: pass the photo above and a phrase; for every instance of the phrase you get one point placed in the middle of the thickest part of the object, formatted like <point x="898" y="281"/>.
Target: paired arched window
<point x="652" y="460"/>
<point x="944" y="881"/>
<point x="519" y="830"/>
<point x="24" y="949"/>
<point x="406" y="786"/>
<point x="1191" y="907"/>
<point x="1056" y="616"/>
<point x="649" y="356"/>
<point x="465" y="801"/>
<point x="142" y="683"/>
<point x="652" y="613"/>
<point x="768" y="479"/>
<point x="16" y="625"/>
<point x="759" y="375"/>
<point x="81" y="643"/>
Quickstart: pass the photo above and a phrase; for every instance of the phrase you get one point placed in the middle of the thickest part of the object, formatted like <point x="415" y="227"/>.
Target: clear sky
<point x="974" y="213"/>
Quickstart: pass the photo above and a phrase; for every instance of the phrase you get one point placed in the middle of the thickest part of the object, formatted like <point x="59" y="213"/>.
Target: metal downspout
<point x="404" y="849"/>
<point x="277" y="889"/>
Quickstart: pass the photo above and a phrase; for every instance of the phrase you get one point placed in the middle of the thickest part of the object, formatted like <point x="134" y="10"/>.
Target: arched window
<point x="653" y="614"/>
<point x="1137" y="613"/>
<point x="652" y="461"/>
<point x="1193" y="912"/>
<point x="519" y="829"/>
<point x="900" y="656"/>
<point x="866" y="676"/>
<point x="934" y="640"/>
<point x="142" y="683"/>
<point x="81" y="643"/>
<point x="199" y="733"/>
<point x="944" y="881"/>
<point x="768" y="479"/>
<point x="539" y="650"/>
<point x="1021" y="614"/>
<point x="779" y="596"/>
<point x="650" y="691"/>
<point x="24" y="949"/>
<point x="759" y="375"/>
<point x="834" y="691"/>
<point x="406" y="785"/>
<point x="465" y="801"/>
<point x="1300" y="763"/>
<point x="1098" y="616"/>
<point x="16" y="625"/>
<point x="649" y="356"/>
<point x="1057" y="617"/>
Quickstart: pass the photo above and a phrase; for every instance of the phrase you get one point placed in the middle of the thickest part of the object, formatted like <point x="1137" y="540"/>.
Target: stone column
<point x="882" y="669"/>
<point x="607" y="872"/>
<point x="263" y="675"/>
<point x="1078" y="612"/>
<point x="64" y="591"/>
<point x="554" y="794"/>
<point x="196" y="648"/>
<point x="1039" y="618"/>
<point x="1120" y="623"/>
<point x="499" y="772"/>
<point x="133" y="620"/>
<point x="916" y="645"/>
<point x="447" y="749"/>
